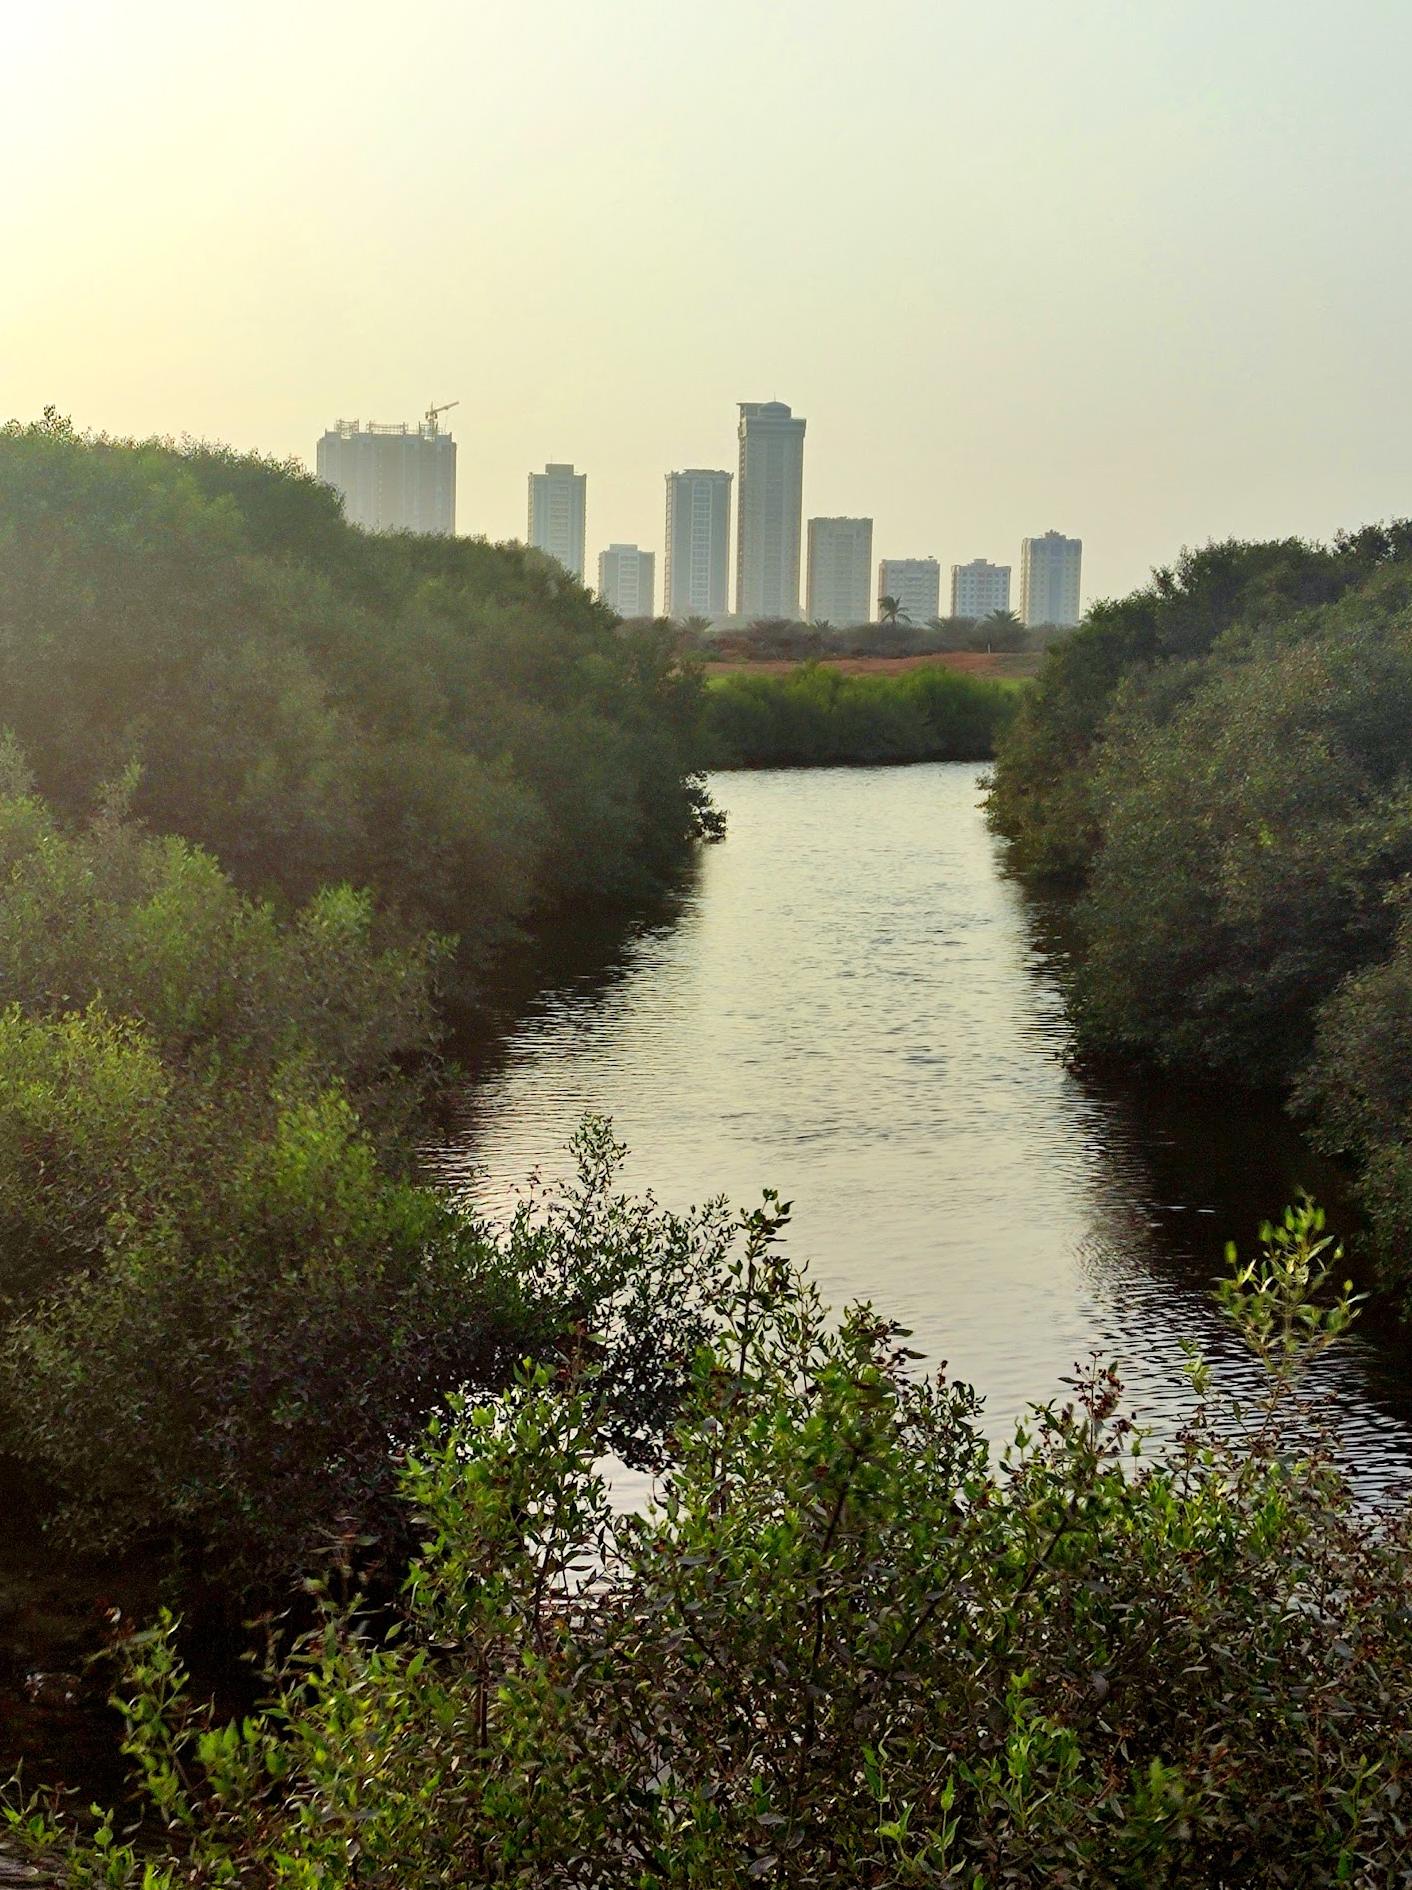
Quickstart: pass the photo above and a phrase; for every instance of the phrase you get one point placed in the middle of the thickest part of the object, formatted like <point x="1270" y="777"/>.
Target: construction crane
<point x="432" y="413"/>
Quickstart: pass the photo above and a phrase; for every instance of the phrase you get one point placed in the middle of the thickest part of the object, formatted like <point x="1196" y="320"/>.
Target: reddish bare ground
<point x="999" y="663"/>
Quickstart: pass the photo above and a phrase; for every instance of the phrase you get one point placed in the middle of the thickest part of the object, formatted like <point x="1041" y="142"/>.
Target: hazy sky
<point x="1138" y="269"/>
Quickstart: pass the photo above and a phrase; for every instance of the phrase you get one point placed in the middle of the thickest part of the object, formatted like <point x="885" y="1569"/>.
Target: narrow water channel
<point x="853" y="1004"/>
<point x="847" y="1001"/>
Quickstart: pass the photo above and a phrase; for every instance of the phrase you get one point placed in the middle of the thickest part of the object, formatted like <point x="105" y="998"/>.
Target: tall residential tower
<point x="840" y="570"/>
<point x="557" y="505"/>
<point x="979" y="588"/>
<point x="697" y="578"/>
<point x="915" y="583"/>
<point x="769" y="502"/>
<point x="393" y="478"/>
<point x="1049" y="579"/>
<point x="627" y="580"/>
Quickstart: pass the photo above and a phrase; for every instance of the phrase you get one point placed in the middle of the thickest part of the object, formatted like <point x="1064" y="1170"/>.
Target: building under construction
<point x="393" y="478"/>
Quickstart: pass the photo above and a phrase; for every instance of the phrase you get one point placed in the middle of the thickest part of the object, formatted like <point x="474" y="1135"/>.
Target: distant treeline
<point x="816" y="716"/>
<point x="1222" y="764"/>
<point x="775" y="639"/>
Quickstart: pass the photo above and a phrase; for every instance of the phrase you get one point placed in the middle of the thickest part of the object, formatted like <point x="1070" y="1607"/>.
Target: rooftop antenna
<point x="432" y="413"/>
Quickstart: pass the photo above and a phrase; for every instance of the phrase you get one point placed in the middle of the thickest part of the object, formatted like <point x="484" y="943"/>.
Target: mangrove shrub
<point x="844" y="1645"/>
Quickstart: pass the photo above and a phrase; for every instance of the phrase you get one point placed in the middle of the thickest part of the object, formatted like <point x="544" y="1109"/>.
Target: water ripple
<point x="855" y="1006"/>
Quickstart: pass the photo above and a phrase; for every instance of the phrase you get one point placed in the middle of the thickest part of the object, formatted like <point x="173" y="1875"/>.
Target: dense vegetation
<point x="774" y="639"/>
<point x="264" y="781"/>
<point x="1222" y="764"/>
<point x="818" y="717"/>
<point x="248" y="755"/>
<point x="455" y="726"/>
<point x="226" y="1303"/>
<point x="847" y="1646"/>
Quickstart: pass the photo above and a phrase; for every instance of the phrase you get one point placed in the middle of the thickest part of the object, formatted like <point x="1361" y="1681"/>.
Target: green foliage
<point x="226" y="985"/>
<point x="454" y="725"/>
<point x="1222" y="762"/>
<point x="157" y="1021"/>
<point x="845" y="1645"/>
<point x="89" y="1132"/>
<point x="226" y="1311"/>
<point x="1357" y="1087"/>
<point x="817" y="716"/>
<point x="1043" y="798"/>
<point x="241" y="1378"/>
<point x="1250" y="834"/>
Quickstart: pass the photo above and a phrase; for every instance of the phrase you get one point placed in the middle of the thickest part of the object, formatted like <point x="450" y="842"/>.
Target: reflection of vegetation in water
<point x="589" y="952"/>
<point x="1221" y="762"/>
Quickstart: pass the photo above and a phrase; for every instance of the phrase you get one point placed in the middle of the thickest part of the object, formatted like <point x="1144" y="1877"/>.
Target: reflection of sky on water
<point x="850" y="1006"/>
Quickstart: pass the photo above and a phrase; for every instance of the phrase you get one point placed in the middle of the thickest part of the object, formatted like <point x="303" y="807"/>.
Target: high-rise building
<point x="1049" y="579"/>
<point x="840" y="570"/>
<point x="558" y="502"/>
<point x="979" y="588"/>
<point x="697" y="577"/>
<point x="393" y="478"/>
<point x="769" y="507"/>
<point x="627" y="580"/>
<point x="915" y="583"/>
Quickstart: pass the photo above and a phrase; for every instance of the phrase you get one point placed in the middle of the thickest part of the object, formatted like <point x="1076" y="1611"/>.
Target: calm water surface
<point x="852" y="1004"/>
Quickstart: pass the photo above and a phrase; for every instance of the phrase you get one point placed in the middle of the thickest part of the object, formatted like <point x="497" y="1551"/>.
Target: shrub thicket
<point x="239" y="1382"/>
<point x="1044" y="795"/>
<point x="158" y="1022"/>
<point x="226" y="1307"/>
<point x="845" y="1646"/>
<point x="454" y="725"/>
<point x="1221" y="764"/>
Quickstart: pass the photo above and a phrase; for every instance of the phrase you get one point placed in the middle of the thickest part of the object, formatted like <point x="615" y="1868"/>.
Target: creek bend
<point x="851" y="1003"/>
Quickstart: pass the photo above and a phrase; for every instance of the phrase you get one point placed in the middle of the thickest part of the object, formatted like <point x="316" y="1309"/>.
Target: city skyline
<point x="245" y="293"/>
<point x="373" y="465"/>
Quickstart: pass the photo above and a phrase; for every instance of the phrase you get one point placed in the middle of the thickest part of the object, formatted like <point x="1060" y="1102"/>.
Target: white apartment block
<point x="627" y="580"/>
<point x="392" y="478"/>
<point x="697" y="574"/>
<point x="1049" y="579"/>
<point x="770" y="504"/>
<point x="558" y="503"/>
<point x="979" y="588"/>
<point x="915" y="583"/>
<point x="840" y="570"/>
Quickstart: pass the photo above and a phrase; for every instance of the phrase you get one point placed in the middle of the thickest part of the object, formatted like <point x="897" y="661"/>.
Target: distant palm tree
<point x="1004" y="620"/>
<point x="698" y="626"/>
<point x="888" y="609"/>
<point x="821" y="624"/>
